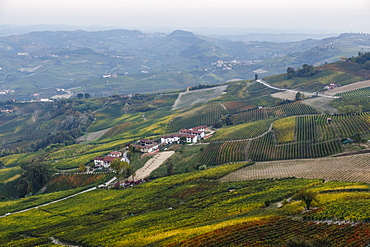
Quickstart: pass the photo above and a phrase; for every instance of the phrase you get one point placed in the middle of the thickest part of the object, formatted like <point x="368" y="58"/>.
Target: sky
<point x="333" y="15"/>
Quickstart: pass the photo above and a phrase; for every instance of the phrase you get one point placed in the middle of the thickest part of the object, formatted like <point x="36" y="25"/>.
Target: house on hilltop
<point x="191" y="135"/>
<point x="331" y="86"/>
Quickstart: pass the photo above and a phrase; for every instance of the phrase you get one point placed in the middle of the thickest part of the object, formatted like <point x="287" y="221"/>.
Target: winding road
<point x="295" y="91"/>
<point x="62" y="199"/>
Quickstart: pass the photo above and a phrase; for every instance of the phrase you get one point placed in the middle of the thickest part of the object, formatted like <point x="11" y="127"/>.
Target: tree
<point x="122" y="168"/>
<point x="291" y="72"/>
<point x="298" y="96"/>
<point x="80" y="95"/>
<point x="217" y="125"/>
<point x="256" y="77"/>
<point x="34" y="177"/>
<point x="183" y="139"/>
<point x="86" y="95"/>
<point x="170" y="168"/>
<point x="307" y="196"/>
<point x="81" y="168"/>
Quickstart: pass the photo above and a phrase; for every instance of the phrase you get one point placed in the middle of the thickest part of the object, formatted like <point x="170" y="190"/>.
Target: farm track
<point x="62" y="199"/>
<point x="246" y="139"/>
<point x="353" y="168"/>
<point x="294" y="91"/>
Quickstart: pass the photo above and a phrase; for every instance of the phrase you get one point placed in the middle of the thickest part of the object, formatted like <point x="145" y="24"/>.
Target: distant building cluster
<point x="228" y="65"/>
<point x="331" y="86"/>
<point x="147" y="146"/>
<point x="192" y="135"/>
<point x="7" y="110"/>
<point x="110" y="75"/>
<point x="107" y="160"/>
<point x="6" y="92"/>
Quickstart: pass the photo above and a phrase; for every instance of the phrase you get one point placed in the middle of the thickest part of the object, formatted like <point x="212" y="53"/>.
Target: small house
<point x="99" y="161"/>
<point x="108" y="160"/>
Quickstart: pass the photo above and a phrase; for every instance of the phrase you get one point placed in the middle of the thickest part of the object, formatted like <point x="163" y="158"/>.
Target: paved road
<point x="295" y="91"/>
<point x="125" y="157"/>
<point x="62" y="199"/>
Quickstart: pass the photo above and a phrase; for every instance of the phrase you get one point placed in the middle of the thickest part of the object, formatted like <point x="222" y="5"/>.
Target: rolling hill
<point x="105" y="63"/>
<point x="239" y="187"/>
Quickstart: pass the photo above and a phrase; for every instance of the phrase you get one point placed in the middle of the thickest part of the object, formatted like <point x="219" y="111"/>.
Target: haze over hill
<point x="101" y="63"/>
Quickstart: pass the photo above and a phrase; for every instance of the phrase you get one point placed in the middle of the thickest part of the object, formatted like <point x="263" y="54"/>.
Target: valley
<point x="220" y="164"/>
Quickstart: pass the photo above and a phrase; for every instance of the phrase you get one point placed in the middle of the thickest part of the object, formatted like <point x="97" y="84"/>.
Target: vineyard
<point x="190" y="209"/>
<point x="242" y="131"/>
<point x="334" y="168"/>
<point x="239" y="186"/>
<point x="282" y="231"/>
<point x="296" y="137"/>
<point x="73" y="181"/>
<point x="206" y="114"/>
<point x="356" y="93"/>
<point x="219" y="153"/>
<point x="244" y="105"/>
<point x="284" y="110"/>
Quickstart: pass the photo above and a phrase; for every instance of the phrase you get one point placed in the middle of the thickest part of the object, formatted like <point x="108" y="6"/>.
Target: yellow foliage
<point x="284" y="129"/>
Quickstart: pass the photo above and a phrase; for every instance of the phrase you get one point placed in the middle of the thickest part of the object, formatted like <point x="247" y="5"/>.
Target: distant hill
<point x="119" y="61"/>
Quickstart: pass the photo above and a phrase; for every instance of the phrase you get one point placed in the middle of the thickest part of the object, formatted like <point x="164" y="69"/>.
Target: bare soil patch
<point x="152" y="164"/>
<point x="321" y="104"/>
<point x="355" y="168"/>
<point x="289" y="95"/>
<point x="92" y="136"/>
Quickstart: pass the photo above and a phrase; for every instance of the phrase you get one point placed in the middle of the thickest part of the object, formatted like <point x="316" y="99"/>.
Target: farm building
<point x="330" y="86"/>
<point x="115" y="154"/>
<point x="99" y="161"/>
<point x="108" y="160"/>
<point x="147" y="146"/>
<point x="192" y="135"/>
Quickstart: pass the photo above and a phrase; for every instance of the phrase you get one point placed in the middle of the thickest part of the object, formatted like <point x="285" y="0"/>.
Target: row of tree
<point x="305" y="71"/>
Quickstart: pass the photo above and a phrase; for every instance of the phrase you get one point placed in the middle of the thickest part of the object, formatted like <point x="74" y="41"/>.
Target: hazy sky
<point x="340" y="15"/>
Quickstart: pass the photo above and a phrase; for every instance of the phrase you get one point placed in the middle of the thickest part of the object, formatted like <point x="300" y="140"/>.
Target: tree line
<point x="305" y="71"/>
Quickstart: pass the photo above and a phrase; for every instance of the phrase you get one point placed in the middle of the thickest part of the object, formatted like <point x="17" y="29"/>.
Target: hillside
<point x="103" y="63"/>
<point x="239" y="185"/>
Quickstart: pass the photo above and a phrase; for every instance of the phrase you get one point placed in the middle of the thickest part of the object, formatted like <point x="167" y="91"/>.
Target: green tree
<point x="81" y="168"/>
<point x="80" y="95"/>
<point x="298" y="96"/>
<point x="307" y="196"/>
<point x="33" y="178"/>
<point x="183" y="139"/>
<point x="122" y="168"/>
<point x="170" y="167"/>
<point x="291" y="72"/>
